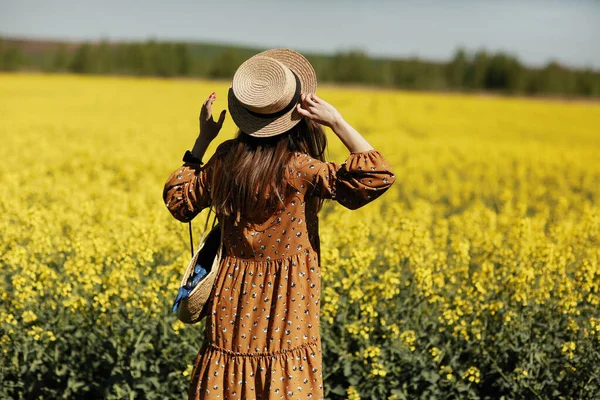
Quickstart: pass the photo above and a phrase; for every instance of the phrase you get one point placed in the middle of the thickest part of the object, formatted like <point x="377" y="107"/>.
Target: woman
<point x="267" y="186"/>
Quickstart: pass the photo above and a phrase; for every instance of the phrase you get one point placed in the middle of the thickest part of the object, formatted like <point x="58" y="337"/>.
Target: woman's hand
<point x="209" y="129"/>
<point x="318" y="110"/>
<point x="324" y="113"/>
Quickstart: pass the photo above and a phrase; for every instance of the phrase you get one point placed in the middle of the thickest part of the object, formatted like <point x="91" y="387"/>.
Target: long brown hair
<point x="252" y="181"/>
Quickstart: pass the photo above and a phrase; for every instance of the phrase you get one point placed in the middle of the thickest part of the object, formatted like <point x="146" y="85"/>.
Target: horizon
<point x="469" y="52"/>
<point x="536" y="32"/>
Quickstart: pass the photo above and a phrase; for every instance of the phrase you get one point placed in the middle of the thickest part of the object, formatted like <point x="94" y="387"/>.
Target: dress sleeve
<point x="187" y="190"/>
<point x="363" y="177"/>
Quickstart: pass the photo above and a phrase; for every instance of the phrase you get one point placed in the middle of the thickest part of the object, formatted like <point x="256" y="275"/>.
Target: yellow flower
<point x="377" y="369"/>
<point x="435" y="353"/>
<point x="188" y="370"/>
<point x="446" y="370"/>
<point x="568" y="348"/>
<point x="352" y="393"/>
<point x="472" y="374"/>
<point x="408" y="338"/>
<point x="371" y="352"/>
<point x="35" y="332"/>
<point x="477" y="227"/>
<point x="50" y="336"/>
<point x="177" y="326"/>
<point x="28" y="316"/>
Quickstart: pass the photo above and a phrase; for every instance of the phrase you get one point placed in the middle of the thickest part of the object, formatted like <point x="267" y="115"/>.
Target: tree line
<point x="467" y="71"/>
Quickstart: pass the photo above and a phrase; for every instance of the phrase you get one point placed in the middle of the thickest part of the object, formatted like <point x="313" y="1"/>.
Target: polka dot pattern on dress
<point x="262" y="336"/>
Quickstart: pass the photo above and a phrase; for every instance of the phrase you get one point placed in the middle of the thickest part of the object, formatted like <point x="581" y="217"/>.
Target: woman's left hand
<point x="209" y="129"/>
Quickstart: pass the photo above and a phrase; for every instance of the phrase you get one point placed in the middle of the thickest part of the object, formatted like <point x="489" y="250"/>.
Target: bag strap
<point x="205" y="228"/>
<point x="191" y="240"/>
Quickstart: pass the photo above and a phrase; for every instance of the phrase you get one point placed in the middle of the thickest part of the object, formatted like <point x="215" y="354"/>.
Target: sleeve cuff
<point x="188" y="157"/>
<point x="364" y="151"/>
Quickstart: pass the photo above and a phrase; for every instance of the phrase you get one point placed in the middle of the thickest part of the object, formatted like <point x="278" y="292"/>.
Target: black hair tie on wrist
<point x="189" y="157"/>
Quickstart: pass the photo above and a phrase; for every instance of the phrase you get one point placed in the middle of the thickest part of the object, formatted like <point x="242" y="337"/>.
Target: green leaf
<point x="430" y="376"/>
<point x="347" y="369"/>
<point x="338" y="389"/>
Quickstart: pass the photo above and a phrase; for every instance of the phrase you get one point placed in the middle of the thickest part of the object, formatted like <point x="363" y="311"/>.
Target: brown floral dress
<point x="262" y="336"/>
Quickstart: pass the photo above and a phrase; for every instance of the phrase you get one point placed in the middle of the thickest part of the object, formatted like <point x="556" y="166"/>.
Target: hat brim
<point x="265" y="127"/>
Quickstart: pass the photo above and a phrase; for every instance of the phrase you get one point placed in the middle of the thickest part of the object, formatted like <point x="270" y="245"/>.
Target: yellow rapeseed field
<point x="477" y="273"/>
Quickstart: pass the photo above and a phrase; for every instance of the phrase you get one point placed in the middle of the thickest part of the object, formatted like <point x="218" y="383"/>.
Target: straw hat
<point x="266" y="89"/>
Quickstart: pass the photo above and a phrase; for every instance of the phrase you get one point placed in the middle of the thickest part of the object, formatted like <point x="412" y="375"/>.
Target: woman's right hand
<point x="318" y="110"/>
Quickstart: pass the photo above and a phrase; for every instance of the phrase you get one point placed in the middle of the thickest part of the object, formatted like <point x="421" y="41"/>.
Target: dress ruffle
<point x="290" y="374"/>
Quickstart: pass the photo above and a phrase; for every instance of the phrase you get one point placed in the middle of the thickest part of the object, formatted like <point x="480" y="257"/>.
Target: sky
<point x="536" y="31"/>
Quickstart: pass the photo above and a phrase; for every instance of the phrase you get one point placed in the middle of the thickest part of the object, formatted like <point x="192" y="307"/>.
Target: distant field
<point x="477" y="275"/>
